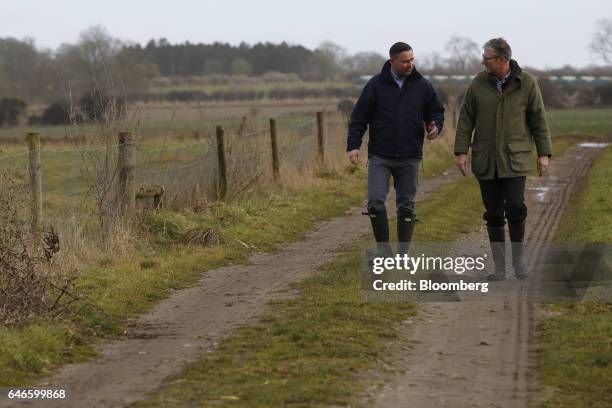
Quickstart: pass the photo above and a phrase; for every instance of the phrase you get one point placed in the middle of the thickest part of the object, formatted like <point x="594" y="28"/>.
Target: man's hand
<point x="462" y="163"/>
<point x="543" y="162"/>
<point x="432" y="131"/>
<point x="353" y="156"/>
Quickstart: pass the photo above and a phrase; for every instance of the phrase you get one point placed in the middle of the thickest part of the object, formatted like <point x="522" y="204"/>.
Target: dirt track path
<point x="480" y="354"/>
<point x="193" y="321"/>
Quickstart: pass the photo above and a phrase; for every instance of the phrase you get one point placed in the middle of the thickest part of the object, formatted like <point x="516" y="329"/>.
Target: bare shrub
<point x="99" y="150"/>
<point x="28" y="285"/>
<point x="96" y="168"/>
<point x="248" y="164"/>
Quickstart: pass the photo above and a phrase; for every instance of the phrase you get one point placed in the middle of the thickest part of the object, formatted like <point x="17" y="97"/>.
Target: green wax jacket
<point x="502" y="127"/>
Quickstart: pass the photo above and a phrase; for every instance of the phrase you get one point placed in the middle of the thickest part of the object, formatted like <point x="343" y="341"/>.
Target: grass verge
<point x="306" y="350"/>
<point x="589" y="219"/>
<point x="576" y="342"/>
<point x="116" y="289"/>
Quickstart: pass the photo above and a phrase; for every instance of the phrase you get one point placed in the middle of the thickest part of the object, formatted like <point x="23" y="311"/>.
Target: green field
<point x="594" y="122"/>
<point x="159" y="123"/>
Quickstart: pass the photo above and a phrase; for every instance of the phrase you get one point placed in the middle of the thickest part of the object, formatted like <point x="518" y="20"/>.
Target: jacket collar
<point x="515" y="73"/>
<point x="385" y="74"/>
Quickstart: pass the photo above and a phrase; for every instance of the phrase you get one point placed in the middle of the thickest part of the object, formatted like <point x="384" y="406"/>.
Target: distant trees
<point x="365" y="63"/>
<point x="601" y="43"/>
<point x="126" y="70"/>
<point x="11" y="110"/>
<point x="463" y="55"/>
<point x="94" y="106"/>
<point x="100" y="107"/>
<point x="240" y="66"/>
<point x="100" y="61"/>
<point x="336" y="53"/>
<point x="60" y="113"/>
<point x="605" y="93"/>
<point x="24" y="71"/>
<point x="189" y="59"/>
<point x="326" y="62"/>
<point x="432" y="62"/>
<point x="57" y="113"/>
<point x="96" y="60"/>
<point x="97" y="47"/>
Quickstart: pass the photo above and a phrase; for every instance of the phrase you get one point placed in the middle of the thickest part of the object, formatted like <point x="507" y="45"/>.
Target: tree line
<point x="99" y="62"/>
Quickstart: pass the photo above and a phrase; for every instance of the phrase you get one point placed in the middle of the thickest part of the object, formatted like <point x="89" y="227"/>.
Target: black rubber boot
<point x="380" y="227"/>
<point x="519" y="263"/>
<point x="498" y="248"/>
<point x="405" y="229"/>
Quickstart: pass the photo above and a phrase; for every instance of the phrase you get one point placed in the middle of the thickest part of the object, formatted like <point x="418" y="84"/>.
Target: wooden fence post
<point x="126" y="187"/>
<point x="222" y="192"/>
<point x="275" y="161"/>
<point x="155" y="192"/>
<point x="321" y="137"/>
<point x="33" y="140"/>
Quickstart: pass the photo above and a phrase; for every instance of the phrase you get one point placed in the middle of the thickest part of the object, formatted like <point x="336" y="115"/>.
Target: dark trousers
<point x="503" y="198"/>
<point x="405" y="173"/>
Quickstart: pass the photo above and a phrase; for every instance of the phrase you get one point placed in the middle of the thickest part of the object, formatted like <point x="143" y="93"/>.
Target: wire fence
<point x="186" y="172"/>
<point x="82" y="186"/>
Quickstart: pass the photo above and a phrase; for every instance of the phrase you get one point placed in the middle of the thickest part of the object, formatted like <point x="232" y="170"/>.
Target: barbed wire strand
<point x="312" y="122"/>
<point x="163" y="149"/>
<point x="256" y="132"/>
<point x="13" y="156"/>
<point x="167" y="170"/>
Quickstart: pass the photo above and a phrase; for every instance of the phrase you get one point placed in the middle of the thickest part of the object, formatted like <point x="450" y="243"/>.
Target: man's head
<point x="401" y="58"/>
<point x="496" y="56"/>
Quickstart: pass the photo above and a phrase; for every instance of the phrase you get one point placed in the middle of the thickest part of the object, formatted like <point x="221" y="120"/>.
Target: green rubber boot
<point x="498" y="249"/>
<point x="519" y="263"/>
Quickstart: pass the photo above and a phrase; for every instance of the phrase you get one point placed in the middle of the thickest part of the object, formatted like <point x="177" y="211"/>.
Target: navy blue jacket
<point x="395" y="116"/>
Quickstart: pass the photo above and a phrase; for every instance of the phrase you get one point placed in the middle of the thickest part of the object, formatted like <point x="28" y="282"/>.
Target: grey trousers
<point x="405" y="174"/>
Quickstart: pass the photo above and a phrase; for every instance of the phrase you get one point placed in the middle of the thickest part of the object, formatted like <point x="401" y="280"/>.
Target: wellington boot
<point x="498" y="249"/>
<point x="519" y="263"/>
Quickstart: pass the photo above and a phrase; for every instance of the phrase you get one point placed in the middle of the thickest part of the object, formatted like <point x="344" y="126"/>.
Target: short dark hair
<point x="500" y="47"/>
<point x="398" y="48"/>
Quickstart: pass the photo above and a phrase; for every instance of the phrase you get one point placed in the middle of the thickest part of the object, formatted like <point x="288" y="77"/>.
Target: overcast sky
<point x="545" y="33"/>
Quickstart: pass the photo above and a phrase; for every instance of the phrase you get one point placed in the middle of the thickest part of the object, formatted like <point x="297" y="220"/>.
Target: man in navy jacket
<point x="395" y="105"/>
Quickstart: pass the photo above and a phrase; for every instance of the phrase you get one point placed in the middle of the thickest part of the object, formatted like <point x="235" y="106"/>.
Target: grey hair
<point x="500" y="47"/>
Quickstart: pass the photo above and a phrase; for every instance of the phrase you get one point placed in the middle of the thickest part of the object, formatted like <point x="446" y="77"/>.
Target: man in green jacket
<point x="502" y="116"/>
